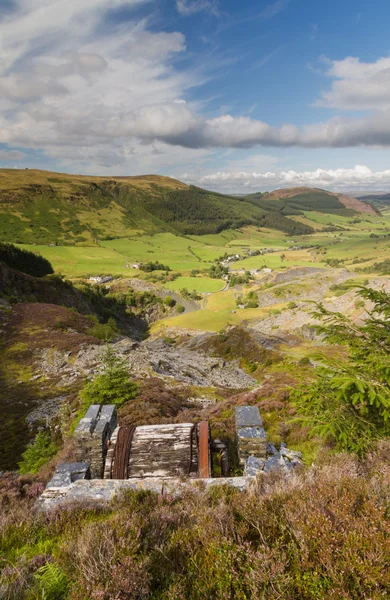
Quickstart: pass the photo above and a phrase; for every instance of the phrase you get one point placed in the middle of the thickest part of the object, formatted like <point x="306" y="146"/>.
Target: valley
<point x="260" y="279"/>
<point x="206" y="303"/>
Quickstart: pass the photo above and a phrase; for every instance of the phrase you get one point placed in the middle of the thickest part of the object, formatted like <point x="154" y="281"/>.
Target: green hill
<point x="39" y="207"/>
<point x="295" y="201"/>
<point x="47" y="208"/>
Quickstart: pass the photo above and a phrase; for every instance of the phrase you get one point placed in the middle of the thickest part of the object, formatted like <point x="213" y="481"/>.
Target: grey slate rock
<point x="271" y="449"/>
<point x="274" y="463"/>
<point x="253" y="466"/>
<point x="248" y="416"/>
<point x="67" y="473"/>
<point x="102" y="491"/>
<point x="251" y="433"/>
<point x="292" y="455"/>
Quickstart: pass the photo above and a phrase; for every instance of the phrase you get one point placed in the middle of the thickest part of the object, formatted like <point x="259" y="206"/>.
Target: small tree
<point x="112" y="386"/>
<point x="38" y="453"/>
<point x="349" y="401"/>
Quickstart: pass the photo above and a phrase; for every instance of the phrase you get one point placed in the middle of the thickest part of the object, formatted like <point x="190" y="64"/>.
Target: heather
<point x="323" y="533"/>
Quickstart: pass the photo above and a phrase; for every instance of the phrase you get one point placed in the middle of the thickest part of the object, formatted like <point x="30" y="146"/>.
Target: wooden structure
<point x="172" y="450"/>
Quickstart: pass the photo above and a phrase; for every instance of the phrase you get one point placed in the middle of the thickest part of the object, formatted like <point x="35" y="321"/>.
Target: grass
<point x="78" y="261"/>
<point x="222" y="301"/>
<point x="199" y="284"/>
<point x="212" y="320"/>
<point x="175" y="251"/>
<point x="299" y="258"/>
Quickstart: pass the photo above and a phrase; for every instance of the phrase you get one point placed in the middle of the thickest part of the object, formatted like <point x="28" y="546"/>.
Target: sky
<point x="235" y="96"/>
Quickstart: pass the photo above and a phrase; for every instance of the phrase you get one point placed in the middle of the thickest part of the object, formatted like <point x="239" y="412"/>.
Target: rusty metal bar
<point x="122" y="450"/>
<point x="204" y="450"/>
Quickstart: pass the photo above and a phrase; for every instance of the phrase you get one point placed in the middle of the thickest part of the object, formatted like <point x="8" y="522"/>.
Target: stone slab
<point x="68" y="473"/>
<point x="108" y="415"/>
<point x="88" y="422"/>
<point x="254" y="466"/>
<point x="248" y="416"/>
<point x="102" y="491"/>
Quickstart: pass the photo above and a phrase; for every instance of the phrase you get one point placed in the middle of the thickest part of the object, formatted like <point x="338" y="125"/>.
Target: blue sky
<point x="230" y="95"/>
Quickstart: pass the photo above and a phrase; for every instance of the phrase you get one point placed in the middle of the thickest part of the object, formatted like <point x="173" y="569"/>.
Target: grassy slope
<point x="43" y="207"/>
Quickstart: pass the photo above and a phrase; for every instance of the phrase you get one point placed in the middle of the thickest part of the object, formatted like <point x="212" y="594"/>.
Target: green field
<point x="199" y="284"/>
<point x="80" y="261"/>
<point x="211" y="320"/>
<point x="183" y="254"/>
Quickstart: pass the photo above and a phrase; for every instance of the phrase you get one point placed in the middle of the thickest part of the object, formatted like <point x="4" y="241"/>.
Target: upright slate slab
<point x="92" y="435"/>
<point x="248" y="416"/>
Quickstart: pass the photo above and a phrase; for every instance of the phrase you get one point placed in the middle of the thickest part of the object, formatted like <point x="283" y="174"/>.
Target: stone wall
<point x="92" y="435"/>
<point x="250" y="433"/>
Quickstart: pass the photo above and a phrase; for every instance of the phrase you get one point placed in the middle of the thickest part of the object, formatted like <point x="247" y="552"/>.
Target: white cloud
<point x="359" y="178"/>
<point x="108" y="97"/>
<point x="358" y="85"/>
<point x="190" y="7"/>
<point x="72" y="87"/>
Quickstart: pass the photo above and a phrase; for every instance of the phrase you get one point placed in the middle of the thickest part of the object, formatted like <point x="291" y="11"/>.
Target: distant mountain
<point x="382" y="197"/>
<point x="49" y="208"/>
<point x="294" y="201"/>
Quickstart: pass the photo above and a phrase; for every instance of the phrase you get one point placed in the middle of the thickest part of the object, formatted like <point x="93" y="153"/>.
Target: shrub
<point x="154" y="266"/>
<point x="112" y="386"/>
<point x="104" y="331"/>
<point x="180" y="308"/>
<point x="320" y="535"/>
<point x="359" y="304"/>
<point x="37" y="454"/>
<point x="252" y="304"/>
<point x="169" y="301"/>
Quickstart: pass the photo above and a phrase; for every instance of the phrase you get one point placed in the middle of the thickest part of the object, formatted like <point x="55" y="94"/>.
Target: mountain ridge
<point x="311" y="196"/>
<point x="59" y="208"/>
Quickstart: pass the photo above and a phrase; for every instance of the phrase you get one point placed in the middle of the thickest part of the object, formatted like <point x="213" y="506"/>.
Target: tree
<point x="24" y="260"/>
<point x="37" y="453"/>
<point x="349" y="401"/>
<point x="112" y="386"/>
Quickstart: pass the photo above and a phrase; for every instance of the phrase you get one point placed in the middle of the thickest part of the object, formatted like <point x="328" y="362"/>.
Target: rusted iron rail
<point x="204" y="450"/>
<point x="120" y="466"/>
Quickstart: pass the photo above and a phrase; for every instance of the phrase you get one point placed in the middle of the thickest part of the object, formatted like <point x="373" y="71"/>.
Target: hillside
<point x="382" y="197"/>
<point x="294" y="201"/>
<point x="41" y="207"/>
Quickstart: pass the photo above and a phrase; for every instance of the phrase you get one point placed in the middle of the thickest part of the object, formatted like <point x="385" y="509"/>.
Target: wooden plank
<point x="161" y="450"/>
